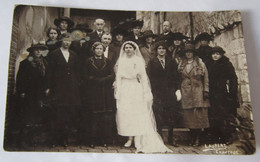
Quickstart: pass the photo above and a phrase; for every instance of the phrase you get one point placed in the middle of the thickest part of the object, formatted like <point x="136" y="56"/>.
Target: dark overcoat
<point x="176" y="53"/>
<point x="63" y="78"/>
<point x="222" y="87"/>
<point x="94" y="37"/>
<point x="203" y="52"/>
<point x="82" y="48"/>
<point x="30" y="81"/>
<point x="113" y="56"/>
<point x="53" y="45"/>
<point x="164" y="82"/>
<point x="131" y="37"/>
<point x="97" y="94"/>
<point x="98" y="100"/>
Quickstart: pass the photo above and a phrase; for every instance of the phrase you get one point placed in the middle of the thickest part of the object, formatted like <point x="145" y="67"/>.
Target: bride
<point x="135" y="117"/>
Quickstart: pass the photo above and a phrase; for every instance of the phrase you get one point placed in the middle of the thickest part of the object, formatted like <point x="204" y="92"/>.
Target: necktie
<point x="162" y="62"/>
<point x="99" y="34"/>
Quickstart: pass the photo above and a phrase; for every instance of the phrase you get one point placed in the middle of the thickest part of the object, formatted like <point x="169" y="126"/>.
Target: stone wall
<point x="180" y="22"/>
<point x="233" y="43"/>
<point x="225" y="27"/>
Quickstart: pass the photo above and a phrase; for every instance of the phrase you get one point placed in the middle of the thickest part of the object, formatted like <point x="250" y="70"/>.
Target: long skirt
<point x="195" y="118"/>
<point x="135" y="118"/>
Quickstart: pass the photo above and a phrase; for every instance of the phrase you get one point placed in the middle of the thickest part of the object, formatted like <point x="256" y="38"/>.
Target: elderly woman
<point x="53" y="35"/>
<point x="133" y="94"/>
<point x="162" y="71"/>
<point x="223" y="95"/>
<point x="30" y="91"/>
<point x="195" y="93"/>
<point x="97" y="97"/>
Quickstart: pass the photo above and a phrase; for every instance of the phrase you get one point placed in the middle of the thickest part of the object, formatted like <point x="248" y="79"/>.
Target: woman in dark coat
<point x="97" y="97"/>
<point x="195" y="93"/>
<point x="62" y="86"/>
<point x="204" y="49"/>
<point x="175" y="50"/>
<point x="135" y="35"/>
<point x="223" y="95"/>
<point x="119" y="35"/>
<point x="30" y="92"/>
<point x="162" y="71"/>
<point x="64" y="24"/>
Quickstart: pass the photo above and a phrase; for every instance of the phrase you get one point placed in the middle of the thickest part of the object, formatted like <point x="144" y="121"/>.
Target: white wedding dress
<point x="134" y="106"/>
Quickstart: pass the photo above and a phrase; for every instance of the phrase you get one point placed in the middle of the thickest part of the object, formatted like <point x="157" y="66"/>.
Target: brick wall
<point x="28" y="23"/>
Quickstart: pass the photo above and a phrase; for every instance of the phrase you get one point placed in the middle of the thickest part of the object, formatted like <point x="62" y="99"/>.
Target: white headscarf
<point x="138" y="69"/>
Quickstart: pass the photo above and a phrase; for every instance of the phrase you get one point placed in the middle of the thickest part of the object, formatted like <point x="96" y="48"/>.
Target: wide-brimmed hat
<point x="37" y="45"/>
<point x="148" y="33"/>
<point x="217" y="49"/>
<point x="120" y="31"/>
<point x="82" y="27"/>
<point x="178" y="36"/>
<point x="64" y="18"/>
<point x="203" y="36"/>
<point x="136" y="23"/>
<point x="189" y="47"/>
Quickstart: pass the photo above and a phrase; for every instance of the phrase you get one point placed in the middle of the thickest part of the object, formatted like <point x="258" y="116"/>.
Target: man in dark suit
<point x="167" y="33"/>
<point x="99" y="31"/>
<point x="62" y="88"/>
<point x="106" y="41"/>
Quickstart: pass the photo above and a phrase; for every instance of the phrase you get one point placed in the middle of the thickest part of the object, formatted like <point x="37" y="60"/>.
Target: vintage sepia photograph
<point x="136" y="82"/>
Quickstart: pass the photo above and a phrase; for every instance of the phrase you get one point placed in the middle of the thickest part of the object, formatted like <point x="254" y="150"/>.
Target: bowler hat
<point x="64" y="18"/>
<point x="148" y="33"/>
<point x="203" y="36"/>
<point x="82" y="27"/>
<point x="217" y="49"/>
<point x="37" y="45"/>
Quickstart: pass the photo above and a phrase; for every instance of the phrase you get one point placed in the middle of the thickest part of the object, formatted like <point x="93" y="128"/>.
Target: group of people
<point x="96" y="85"/>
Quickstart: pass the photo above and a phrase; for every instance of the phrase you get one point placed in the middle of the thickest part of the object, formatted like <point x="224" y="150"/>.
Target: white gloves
<point x="178" y="95"/>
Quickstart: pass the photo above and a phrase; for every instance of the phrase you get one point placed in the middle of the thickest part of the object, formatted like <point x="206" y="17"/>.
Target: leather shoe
<point x="128" y="143"/>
